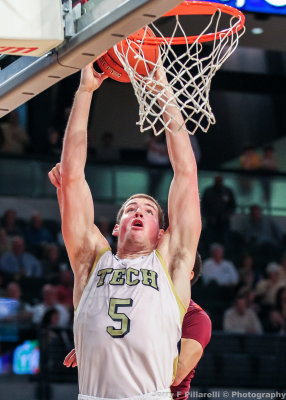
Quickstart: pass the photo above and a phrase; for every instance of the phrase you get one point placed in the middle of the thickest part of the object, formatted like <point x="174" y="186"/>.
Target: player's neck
<point x="132" y="253"/>
<point x="132" y="247"/>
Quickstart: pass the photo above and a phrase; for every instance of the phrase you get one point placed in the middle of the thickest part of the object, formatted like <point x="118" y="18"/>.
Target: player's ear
<point x="161" y="233"/>
<point x="192" y="274"/>
<point x="115" y="231"/>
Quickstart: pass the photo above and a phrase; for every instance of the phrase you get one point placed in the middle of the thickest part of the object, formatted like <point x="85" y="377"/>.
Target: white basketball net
<point x="189" y="75"/>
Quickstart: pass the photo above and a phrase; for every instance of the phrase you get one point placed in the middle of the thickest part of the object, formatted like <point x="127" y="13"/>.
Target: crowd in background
<point x="15" y="140"/>
<point x="243" y="279"/>
<point x="242" y="284"/>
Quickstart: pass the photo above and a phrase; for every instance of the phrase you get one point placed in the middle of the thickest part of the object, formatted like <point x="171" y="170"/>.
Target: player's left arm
<point x="190" y="355"/>
<point x="179" y="244"/>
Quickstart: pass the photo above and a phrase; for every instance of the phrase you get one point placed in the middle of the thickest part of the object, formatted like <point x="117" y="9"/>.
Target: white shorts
<point x="160" y="395"/>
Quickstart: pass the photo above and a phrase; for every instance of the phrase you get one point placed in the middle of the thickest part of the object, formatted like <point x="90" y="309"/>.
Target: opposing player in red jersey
<point x="196" y="334"/>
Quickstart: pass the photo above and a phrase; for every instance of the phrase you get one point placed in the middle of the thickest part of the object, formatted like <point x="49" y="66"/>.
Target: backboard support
<point x="105" y="23"/>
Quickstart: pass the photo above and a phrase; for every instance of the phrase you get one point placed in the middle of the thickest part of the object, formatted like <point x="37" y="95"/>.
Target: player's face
<point x="140" y="221"/>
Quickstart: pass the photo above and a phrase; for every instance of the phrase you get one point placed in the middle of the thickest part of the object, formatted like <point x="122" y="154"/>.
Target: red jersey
<point x="197" y="326"/>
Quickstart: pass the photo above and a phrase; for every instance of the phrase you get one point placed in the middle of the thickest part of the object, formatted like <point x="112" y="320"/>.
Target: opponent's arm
<point x="180" y="243"/>
<point x="82" y="238"/>
<point x="190" y="355"/>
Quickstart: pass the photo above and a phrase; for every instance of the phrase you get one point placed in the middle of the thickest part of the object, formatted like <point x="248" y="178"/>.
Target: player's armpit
<point x="190" y="355"/>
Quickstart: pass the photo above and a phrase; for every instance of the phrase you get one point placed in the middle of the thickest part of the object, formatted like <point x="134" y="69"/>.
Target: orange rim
<point x="198" y="8"/>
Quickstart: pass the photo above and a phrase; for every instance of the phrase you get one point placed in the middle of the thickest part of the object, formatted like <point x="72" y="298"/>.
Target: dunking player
<point x="129" y="305"/>
<point x="196" y="334"/>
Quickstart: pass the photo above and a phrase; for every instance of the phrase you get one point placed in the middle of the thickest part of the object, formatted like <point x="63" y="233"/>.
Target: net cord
<point x="189" y="76"/>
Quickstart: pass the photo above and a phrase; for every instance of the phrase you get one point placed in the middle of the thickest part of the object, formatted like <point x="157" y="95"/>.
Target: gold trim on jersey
<point x="182" y="308"/>
<point x="99" y="255"/>
<point x="175" y="367"/>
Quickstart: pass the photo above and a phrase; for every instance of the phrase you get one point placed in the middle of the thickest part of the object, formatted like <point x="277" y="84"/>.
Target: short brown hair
<point x="197" y="268"/>
<point x="144" y="196"/>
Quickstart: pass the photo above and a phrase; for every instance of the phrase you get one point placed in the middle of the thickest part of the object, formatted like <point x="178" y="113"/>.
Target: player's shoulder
<point x="195" y="311"/>
<point x="197" y="325"/>
<point x="195" y="308"/>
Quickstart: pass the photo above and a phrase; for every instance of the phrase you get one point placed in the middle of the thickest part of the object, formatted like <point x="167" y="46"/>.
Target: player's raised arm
<point x="82" y="238"/>
<point x="181" y="240"/>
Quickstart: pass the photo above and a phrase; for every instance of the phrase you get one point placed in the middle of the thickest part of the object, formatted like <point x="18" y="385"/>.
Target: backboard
<point x="95" y="28"/>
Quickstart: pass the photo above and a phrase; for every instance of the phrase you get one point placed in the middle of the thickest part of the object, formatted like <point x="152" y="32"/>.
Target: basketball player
<point x="196" y="334"/>
<point x="129" y="306"/>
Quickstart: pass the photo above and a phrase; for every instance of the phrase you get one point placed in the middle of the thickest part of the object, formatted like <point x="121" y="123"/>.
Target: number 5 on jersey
<point x="116" y="316"/>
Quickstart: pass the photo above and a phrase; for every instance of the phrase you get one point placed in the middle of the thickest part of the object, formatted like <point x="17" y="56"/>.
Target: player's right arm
<point x="82" y="238"/>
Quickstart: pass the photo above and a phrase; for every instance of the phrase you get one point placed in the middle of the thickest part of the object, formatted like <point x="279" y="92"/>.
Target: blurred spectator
<point x="65" y="289"/>
<point x="269" y="164"/>
<point x="282" y="271"/>
<point x="240" y="318"/>
<point x="218" y="205"/>
<point x="51" y="262"/>
<point x="262" y="232"/>
<point x="54" y="146"/>
<point x="50" y="301"/>
<point x="19" y="262"/>
<point x="16" y="139"/>
<point x="248" y="276"/>
<point x="266" y="289"/>
<point x="250" y="160"/>
<point x="50" y="318"/>
<point x="4" y="242"/>
<point x="278" y="314"/>
<point x="103" y="225"/>
<point x="157" y="156"/>
<point x="53" y="342"/>
<point x="24" y="311"/>
<point x="9" y="223"/>
<point x="36" y="234"/>
<point x="106" y="150"/>
<point x="269" y="161"/>
<point x="217" y="269"/>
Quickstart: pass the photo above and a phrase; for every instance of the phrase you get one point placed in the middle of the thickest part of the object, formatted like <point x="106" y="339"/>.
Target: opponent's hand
<point x="70" y="359"/>
<point x="91" y="80"/>
<point x="55" y="176"/>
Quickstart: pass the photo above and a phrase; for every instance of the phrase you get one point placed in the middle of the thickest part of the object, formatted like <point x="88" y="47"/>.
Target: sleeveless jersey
<point x="126" y="328"/>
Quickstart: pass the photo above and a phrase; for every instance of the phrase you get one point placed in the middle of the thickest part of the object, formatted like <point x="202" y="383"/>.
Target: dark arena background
<point x="242" y="184"/>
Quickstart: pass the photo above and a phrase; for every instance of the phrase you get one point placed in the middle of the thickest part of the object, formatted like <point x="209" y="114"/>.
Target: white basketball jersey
<point x="126" y="328"/>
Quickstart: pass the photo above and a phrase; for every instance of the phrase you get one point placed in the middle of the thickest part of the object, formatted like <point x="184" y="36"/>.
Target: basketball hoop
<point x="189" y="67"/>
